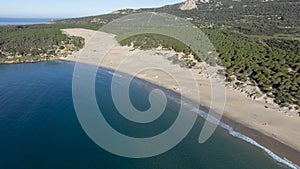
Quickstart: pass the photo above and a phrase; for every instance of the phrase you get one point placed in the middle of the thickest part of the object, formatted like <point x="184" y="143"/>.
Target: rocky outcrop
<point x="204" y="1"/>
<point x="191" y="4"/>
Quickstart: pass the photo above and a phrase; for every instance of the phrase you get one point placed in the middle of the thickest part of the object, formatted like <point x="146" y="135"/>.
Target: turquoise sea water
<point x="39" y="127"/>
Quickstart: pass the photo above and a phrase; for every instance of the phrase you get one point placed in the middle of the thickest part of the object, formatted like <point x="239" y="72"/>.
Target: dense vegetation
<point x="272" y="64"/>
<point x="257" y="40"/>
<point x="41" y="42"/>
<point x="152" y="41"/>
<point x="149" y="41"/>
<point x="258" y="17"/>
<point x="275" y="68"/>
<point x="255" y="17"/>
<point x="21" y="43"/>
<point x="271" y="61"/>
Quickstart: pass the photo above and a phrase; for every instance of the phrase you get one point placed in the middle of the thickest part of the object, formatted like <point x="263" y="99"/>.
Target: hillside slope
<point x="255" y="17"/>
<point x="257" y="40"/>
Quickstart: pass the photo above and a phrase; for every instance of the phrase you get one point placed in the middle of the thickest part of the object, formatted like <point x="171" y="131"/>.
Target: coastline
<point x="281" y="150"/>
<point x="270" y="130"/>
<point x="275" y="146"/>
<point x="30" y="61"/>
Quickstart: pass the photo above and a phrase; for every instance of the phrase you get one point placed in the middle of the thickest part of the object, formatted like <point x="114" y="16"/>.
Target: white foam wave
<point x="247" y="139"/>
<point x="237" y="134"/>
<point x="114" y="73"/>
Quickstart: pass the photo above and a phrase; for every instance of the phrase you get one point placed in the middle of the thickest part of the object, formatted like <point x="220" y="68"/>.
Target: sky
<point x="71" y="8"/>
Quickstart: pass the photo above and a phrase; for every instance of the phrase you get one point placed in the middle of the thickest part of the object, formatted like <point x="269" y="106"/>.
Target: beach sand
<point x="275" y="130"/>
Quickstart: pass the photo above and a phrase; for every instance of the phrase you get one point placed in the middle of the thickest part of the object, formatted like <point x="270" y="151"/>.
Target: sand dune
<point x="239" y="108"/>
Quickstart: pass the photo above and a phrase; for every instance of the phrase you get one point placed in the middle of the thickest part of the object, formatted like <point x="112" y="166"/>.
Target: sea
<point x="24" y="21"/>
<point x="39" y="127"/>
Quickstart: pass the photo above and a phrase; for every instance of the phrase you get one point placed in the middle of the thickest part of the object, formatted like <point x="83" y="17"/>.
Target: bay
<point x="39" y="127"/>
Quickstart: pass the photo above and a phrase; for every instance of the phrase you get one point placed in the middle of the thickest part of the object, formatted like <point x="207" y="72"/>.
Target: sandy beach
<point x="271" y="128"/>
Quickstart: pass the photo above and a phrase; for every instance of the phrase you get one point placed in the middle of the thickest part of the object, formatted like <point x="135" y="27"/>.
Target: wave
<point x="236" y="134"/>
<point x="113" y="73"/>
<point x="246" y="138"/>
<point x="230" y="130"/>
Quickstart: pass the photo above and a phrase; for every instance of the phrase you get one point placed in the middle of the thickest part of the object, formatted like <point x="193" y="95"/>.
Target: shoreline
<point x="274" y="130"/>
<point x="30" y="61"/>
<point x="286" y="153"/>
<point x="280" y="127"/>
<point x="282" y="150"/>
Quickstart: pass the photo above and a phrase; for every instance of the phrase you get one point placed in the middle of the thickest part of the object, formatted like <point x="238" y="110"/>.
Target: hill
<point x="253" y="17"/>
<point x="257" y="40"/>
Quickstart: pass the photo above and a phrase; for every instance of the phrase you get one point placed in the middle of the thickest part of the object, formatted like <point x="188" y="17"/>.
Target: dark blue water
<point x="24" y="21"/>
<point x="39" y="127"/>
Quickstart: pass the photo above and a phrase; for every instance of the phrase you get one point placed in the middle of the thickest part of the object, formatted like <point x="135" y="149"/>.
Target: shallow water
<point x="39" y="127"/>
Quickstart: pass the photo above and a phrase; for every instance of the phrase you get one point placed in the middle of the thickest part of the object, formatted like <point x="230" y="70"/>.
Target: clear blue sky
<point x="71" y="8"/>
